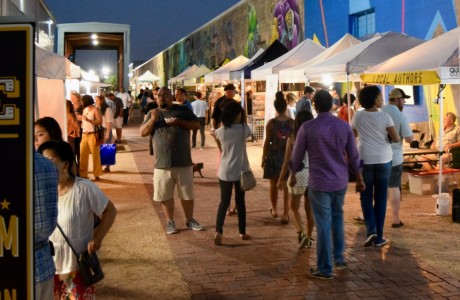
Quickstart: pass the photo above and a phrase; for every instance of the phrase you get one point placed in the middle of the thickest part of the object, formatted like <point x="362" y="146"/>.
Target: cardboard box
<point x="422" y="184"/>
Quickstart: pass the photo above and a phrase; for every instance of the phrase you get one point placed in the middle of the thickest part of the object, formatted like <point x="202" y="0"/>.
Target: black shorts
<point x="395" y="176"/>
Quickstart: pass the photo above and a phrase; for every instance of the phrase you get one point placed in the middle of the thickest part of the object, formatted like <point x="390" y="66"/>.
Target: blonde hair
<point x="291" y="98"/>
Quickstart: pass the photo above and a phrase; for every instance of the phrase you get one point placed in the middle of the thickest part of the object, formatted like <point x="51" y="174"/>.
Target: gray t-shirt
<point x="171" y="144"/>
<point x="402" y="128"/>
<point x="231" y="162"/>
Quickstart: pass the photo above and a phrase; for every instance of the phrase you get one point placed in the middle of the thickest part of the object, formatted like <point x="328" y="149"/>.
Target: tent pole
<point x="348" y="99"/>
<point x="441" y="146"/>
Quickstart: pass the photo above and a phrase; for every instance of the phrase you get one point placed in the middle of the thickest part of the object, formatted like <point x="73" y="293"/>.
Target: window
<point x="363" y="24"/>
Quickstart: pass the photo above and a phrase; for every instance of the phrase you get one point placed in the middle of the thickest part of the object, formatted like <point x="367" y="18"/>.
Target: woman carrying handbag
<point x="231" y="139"/>
<point x="79" y="200"/>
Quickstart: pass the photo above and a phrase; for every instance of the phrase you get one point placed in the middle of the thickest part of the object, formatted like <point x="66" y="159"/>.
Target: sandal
<point x="284" y="221"/>
<point x="231" y="212"/>
<point x="272" y="214"/>
<point x="218" y="239"/>
<point x="245" y="237"/>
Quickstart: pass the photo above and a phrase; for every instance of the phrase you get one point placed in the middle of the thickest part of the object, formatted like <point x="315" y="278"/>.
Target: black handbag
<point x="99" y="131"/>
<point x="90" y="267"/>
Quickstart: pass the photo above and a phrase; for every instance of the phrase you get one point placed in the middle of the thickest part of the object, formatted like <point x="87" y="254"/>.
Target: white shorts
<point x="296" y="190"/>
<point x="164" y="181"/>
<point x="117" y="123"/>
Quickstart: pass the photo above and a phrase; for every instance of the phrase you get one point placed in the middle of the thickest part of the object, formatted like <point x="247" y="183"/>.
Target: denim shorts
<point x="395" y="176"/>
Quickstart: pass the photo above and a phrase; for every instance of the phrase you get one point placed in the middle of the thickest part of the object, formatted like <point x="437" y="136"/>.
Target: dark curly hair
<point x="230" y="112"/>
<point x="61" y="149"/>
<point x="301" y="117"/>
<point x="368" y="95"/>
<point x="323" y="101"/>
<point x="51" y="126"/>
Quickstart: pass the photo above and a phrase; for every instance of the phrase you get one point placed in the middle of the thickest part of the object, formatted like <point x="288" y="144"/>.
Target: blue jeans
<point x="374" y="198"/>
<point x="328" y="211"/>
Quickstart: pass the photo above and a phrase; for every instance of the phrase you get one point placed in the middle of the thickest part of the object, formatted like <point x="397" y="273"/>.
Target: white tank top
<point x="87" y="126"/>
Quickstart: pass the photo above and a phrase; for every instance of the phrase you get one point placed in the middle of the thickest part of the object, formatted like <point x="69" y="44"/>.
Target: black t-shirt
<point x="218" y="106"/>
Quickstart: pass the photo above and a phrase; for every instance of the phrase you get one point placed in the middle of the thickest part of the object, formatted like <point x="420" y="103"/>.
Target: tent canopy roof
<point x="302" y="52"/>
<point x="148" y="77"/>
<point x="275" y="50"/>
<point x="297" y="73"/>
<point x="428" y="63"/>
<point x="358" y="58"/>
<point x="178" y="78"/>
<point x="223" y="73"/>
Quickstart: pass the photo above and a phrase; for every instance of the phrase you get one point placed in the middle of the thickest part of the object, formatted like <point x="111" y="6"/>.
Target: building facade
<point x="241" y="30"/>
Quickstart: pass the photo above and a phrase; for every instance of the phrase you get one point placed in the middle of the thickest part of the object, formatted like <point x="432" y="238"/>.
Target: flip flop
<point x="272" y="214"/>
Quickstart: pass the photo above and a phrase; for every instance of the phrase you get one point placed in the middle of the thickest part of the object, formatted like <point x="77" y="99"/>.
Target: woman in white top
<point x="91" y="116"/>
<point x="299" y="189"/>
<point x="107" y="120"/>
<point x="291" y="100"/>
<point x="231" y="139"/>
<point x="79" y="200"/>
<point x="375" y="131"/>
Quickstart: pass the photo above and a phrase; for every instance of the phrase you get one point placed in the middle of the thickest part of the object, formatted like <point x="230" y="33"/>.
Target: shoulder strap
<point x="67" y="240"/>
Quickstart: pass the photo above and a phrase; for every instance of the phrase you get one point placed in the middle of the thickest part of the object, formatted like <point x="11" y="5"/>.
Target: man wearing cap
<point x="230" y="91"/>
<point x="394" y="109"/>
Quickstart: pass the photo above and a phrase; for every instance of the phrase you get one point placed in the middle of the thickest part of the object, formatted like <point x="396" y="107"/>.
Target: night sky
<point x="155" y="24"/>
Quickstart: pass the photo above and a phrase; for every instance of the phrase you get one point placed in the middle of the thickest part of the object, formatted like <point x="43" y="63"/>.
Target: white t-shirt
<point x="402" y="128"/>
<point x="199" y="108"/>
<point x="107" y="117"/>
<point x="231" y="140"/>
<point x="125" y="98"/>
<point x="373" y="144"/>
<point x="76" y="211"/>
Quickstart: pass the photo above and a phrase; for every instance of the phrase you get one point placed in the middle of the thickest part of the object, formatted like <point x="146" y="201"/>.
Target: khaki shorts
<point x="164" y="181"/>
<point x="118" y="123"/>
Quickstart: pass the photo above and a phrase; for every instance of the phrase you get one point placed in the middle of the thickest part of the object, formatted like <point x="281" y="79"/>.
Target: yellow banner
<point x="402" y="78"/>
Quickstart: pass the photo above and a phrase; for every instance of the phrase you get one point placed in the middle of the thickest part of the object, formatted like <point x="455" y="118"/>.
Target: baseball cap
<point x="398" y="93"/>
<point x="229" y="86"/>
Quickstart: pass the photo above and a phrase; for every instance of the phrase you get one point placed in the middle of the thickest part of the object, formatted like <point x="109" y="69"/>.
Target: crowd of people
<point x="65" y="197"/>
<point x="313" y="146"/>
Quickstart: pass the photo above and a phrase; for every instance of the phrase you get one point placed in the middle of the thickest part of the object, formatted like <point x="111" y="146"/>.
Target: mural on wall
<point x="253" y="32"/>
<point x="286" y="26"/>
<point x="244" y="29"/>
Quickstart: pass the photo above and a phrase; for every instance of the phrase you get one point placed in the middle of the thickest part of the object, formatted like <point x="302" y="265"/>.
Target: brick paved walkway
<point x="270" y="266"/>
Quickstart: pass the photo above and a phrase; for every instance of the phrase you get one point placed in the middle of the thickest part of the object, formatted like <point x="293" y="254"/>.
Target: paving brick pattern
<point x="269" y="266"/>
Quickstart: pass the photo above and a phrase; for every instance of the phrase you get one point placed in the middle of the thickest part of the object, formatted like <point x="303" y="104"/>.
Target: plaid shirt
<point x="45" y="210"/>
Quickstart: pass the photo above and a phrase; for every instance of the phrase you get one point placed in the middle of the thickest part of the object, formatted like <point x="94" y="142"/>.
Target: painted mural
<point x="253" y="32"/>
<point x="242" y="30"/>
<point x="287" y="25"/>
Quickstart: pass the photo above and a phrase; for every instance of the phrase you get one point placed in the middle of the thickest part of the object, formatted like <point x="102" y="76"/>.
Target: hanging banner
<point x="16" y="145"/>
<point x="402" y="78"/>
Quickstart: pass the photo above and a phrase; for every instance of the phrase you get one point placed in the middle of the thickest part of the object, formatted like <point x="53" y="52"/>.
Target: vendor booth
<point x="260" y="93"/>
<point x="432" y="64"/>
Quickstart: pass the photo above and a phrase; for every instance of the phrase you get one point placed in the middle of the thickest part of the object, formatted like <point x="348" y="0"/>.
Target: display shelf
<point x="258" y="116"/>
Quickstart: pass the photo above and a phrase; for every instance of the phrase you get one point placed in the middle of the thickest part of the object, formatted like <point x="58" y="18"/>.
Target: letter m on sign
<point x="9" y="236"/>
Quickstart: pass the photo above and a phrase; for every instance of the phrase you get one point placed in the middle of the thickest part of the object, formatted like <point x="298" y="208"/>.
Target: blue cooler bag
<point x="108" y="152"/>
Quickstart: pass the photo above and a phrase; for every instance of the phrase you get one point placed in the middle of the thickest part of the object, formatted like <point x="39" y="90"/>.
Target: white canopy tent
<point x="50" y="72"/>
<point x="349" y="63"/>
<point x="223" y="73"/>
<point x="433" y="62"/>
<point x="178" y="79"/>
<point x="148" y="77"/>
<point x="302" y="52"/>
<point x="236" y="74"/>
<point x="296" y="74"/>
<point x="194" y="77"/>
